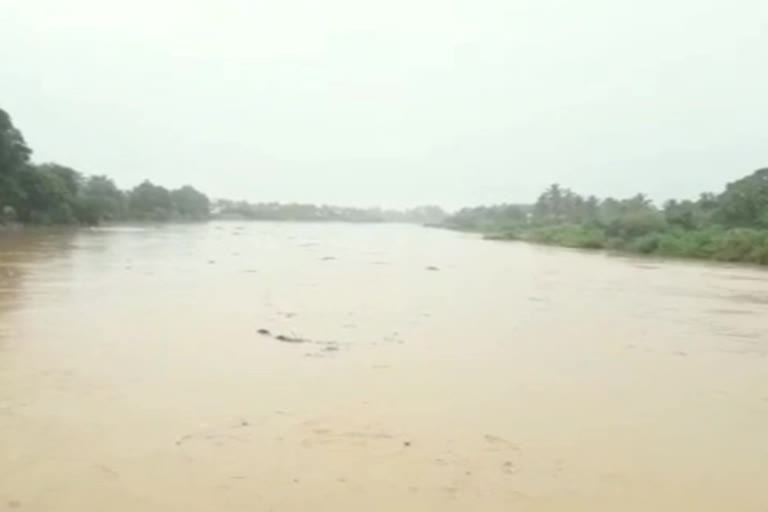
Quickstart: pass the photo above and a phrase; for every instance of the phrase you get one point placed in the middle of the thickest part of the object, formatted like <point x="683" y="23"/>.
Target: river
<point x="424" y="370"/>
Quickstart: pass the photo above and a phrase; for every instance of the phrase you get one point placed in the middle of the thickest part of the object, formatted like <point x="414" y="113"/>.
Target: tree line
<point x="227" y="209"/>
<point x="729" y="226"/>
<point x="51" y="193"/>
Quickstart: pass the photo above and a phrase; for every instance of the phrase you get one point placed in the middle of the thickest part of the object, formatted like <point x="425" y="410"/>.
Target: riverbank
<point x="735" y="245"/>
<point x="730" y="226"/>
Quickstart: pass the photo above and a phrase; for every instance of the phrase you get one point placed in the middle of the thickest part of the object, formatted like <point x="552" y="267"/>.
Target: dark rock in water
<point x="264" y="332"/>
<point x="433" y="268"/>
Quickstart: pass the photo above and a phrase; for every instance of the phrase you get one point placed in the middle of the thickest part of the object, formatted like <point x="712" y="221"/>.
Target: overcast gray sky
<point x="393" y="102"/>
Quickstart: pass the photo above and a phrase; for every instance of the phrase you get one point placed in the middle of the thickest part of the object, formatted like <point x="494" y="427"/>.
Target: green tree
<point x="48" y="196"/>
<point x="189" y="203"/>
<point x="429" y="214"/>
<point x="14" y="158"/>
<point x="101" y="200"/>
<point x="687" y="215"/>
<point x="148" y="201"/>
<point x="745" y="202"/>
<point x="549" y="206"/>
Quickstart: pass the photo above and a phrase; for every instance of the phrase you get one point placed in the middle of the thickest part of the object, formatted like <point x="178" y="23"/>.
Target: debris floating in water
<point x="290" y="339"/>
<point x="327" y="346"/>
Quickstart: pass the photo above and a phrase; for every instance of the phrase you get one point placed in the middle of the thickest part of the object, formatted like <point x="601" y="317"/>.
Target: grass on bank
<point x="745" y="245"/>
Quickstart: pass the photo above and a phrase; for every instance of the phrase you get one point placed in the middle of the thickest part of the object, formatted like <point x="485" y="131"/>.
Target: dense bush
<point x="731" y="226"/>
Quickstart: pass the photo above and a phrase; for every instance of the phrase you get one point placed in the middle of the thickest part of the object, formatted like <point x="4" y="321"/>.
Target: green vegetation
<point x="225" y="209"/>
<point x="54" y="194"/>
<point x="730" y="226"/>
<point x="50" y="193"/>
<point x="489" y="219"/>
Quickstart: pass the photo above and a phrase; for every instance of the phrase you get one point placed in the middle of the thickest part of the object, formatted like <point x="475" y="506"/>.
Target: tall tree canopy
<point x="51" y="193"/>
<point x="14" y="157"/>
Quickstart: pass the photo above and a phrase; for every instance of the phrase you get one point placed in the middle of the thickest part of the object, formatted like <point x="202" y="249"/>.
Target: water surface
<point x="505" y="377"/>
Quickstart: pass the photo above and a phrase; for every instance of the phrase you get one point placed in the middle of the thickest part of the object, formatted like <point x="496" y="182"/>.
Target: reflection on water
<point x="299" y="367"/>
<point x="25" y="253"/>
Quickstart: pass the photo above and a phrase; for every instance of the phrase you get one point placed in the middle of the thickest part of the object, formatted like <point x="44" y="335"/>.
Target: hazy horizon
<point x="395" y="103"/>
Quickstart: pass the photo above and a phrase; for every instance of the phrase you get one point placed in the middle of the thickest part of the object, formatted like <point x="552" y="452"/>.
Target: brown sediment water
<point x="397" y="368"/>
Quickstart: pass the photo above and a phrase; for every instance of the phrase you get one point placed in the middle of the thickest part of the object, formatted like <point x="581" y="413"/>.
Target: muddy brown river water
<point x="509" y="377"/>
